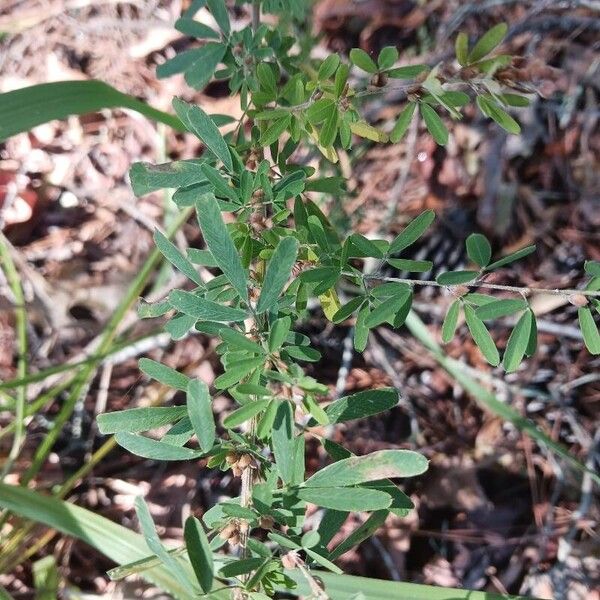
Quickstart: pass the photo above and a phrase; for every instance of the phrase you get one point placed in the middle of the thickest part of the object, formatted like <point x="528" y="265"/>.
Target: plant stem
<point x="255" y="15"/>
<point x="526" y="291"/>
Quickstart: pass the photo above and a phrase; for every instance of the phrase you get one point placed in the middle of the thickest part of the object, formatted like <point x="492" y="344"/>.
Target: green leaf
<point x="347" y="499"/>
<point x="303" y="353"/>
<point x="387" y="57"/>
<point x="319" y="111"/>
<point x="500" y="308"/>
<point x="345" y="311"/>
<point x="361" y="331"/>
<point x="241" y="567"/>
<point x="219" y="12"/>
<point x="26" y="108"/>
<point x="412" y="266"/>
<point x="360" y="534"/>
<point x="220" y="244"/>
<point x="490" y="108"/>
<point x="119" y="544"/>
<point x="199" y="408"/>
<point x="46" y="580"/>
<point x="278" y="333"/>
<point x="202" y="71"/>
<point x="198" y="64"/>
<point x="382" y="464"/>
<point x="139" y="419"/>
<point x="330" y="128"/>
<point x="505" y="260"/>
<point x="590" y="333"/>
<point x="202" y="126"/>
<point x="199" y="552"/>
<point x="275" y="130"/>
<point x="532" y="344"/>
<point x="201" y="257"/>
<point x="201" y="308"/>
<point x="176" y="258"/>
<point x="592" y="267"/>
<point x="387" y="309"/>
<point x="481" y="336"/>
<point x="514" y="100"/>
<point x="245" y="413"/>
<point x="283" y="441"/>
<point x="153" y="449"/>
<point x="365" y="247"/>
<point x="412" y="232"/>
<point x="456" y="277"/>
<point x="163" y="374"/>
<point x="462" y="48"/>
<point x="450" y="322"/>
<point x="479" y="249"/>
<point x="278" y="273"/>
<point x="253" y="389"/>
<point x="518" y="342"/>
<point x="487" y="42"/>
<point x="325" y="275"/>
<point x="365" y="130"/>
<point x="362" y="60"/>
<point x="403" y="122"/>
<point x="328" y="67"/>
<point x="238" y="341"/>
<point x="434" y="124"/>
<point x="146" y="177"/>
<point x="407" y="72"/>
<point x="362" y="405"/>
<point x="193" y="28"/>
<point x="236" y="371"/>
<point x="151" y="537"/>
<point x="349" y="587"/>
<point x="341" y="77"/>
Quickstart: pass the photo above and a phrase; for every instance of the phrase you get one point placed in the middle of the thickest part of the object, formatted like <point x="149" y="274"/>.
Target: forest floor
<point x="495" y="511"/>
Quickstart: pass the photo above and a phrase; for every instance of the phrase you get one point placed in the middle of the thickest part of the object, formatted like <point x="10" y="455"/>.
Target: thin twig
<point x="524" y="291"/>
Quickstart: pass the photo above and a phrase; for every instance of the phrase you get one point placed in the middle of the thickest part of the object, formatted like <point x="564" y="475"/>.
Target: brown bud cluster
<point x="234" y="531"/>
<point x="258" y="223"/>
<point x="253" y="159"/>
<point x="267" y="522"/>
<point x="289" y="560"/>
<point x="240" y="462"/>
<point x="379" y="80"/>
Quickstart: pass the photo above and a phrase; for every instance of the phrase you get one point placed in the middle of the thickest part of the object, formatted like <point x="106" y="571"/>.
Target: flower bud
<point x="578" y="300"/>
<point x="231" y="458"/>
<point x="267" y="522"/>
<point x="228" y="531"/>
<point x="244" y="461"/>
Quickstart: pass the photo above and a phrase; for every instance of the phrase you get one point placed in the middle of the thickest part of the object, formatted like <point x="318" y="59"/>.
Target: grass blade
<point x="114" y="541"/>
<point x="21" y="110"/>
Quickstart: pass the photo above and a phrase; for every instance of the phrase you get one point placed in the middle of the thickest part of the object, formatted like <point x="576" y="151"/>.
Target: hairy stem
<point x="523" y="290"/>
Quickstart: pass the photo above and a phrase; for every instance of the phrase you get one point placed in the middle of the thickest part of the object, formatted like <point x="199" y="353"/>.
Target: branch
<point x="526" y="291"/>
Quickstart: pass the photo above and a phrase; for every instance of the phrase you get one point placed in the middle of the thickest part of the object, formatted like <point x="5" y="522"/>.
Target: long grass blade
<point x="21" y="110"/>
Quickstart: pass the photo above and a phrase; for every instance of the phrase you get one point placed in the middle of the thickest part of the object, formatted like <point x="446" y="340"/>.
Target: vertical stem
<point x="255" y="15"/>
